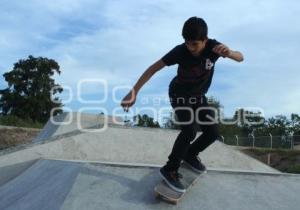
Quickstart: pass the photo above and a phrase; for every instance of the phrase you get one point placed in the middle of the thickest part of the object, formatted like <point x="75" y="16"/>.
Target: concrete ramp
<point x="129" y="145"/>
<point x="63" y="185"/>
<point x="87" y="137"/>
<point x="68" y="122"/>
<point x="68" y="168"/>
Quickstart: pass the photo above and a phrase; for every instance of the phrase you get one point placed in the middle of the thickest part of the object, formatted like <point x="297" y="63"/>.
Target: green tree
<point x="278" y="125"/>
<point x="295" y="128"/>
<point x="295" y="124"/>
<point x="248" y="118"/>
<point x="28" y="95"/>
<point x="250" y="122"/>
<point x="213" y="102"/>
<point x="145" y="121"/>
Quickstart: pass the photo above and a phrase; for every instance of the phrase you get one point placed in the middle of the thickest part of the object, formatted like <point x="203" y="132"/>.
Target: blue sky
<point x="117" y="40"/>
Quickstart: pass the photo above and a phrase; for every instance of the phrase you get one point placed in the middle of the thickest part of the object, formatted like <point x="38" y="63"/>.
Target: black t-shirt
<point x="194" y="73"/>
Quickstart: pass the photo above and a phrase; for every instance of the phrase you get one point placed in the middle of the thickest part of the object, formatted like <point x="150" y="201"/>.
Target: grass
<point x="15" y="136"/>
<point x="18" y="122"/>
<point x="284" y="160"/>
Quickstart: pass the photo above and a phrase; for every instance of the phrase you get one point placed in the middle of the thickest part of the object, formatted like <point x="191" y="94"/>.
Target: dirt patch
<point x="16" y="136"/>
<point x="297" y="147"/>
<point x="283" y="160"/>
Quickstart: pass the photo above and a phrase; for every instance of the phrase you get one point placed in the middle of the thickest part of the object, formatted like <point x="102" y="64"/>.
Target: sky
<point x="107" y="44"/>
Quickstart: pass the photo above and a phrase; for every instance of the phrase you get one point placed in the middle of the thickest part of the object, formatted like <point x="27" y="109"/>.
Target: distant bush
<point x="293" y="169"/>
<point x="11" y="120"/>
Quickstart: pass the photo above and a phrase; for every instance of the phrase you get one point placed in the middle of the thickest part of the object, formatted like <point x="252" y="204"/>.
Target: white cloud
<point x="118" y="40"/>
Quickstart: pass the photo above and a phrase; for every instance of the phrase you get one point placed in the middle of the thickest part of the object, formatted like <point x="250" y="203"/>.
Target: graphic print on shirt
<point x="194" y="73"/>
<point x="208" y="64"/>
<point x="197" y="72"/>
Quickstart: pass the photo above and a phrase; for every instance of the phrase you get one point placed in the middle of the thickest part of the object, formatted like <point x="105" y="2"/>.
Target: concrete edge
<point x="142" y="165"/>
<point x="248" y="172"/>
<point x="115" y="164"/>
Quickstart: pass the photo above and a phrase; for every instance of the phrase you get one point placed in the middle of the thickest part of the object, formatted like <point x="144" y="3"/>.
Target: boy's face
<point x="195" y="46"/>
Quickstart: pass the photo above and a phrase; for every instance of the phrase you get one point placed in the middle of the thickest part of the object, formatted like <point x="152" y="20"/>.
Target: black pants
<point x="186" y="111"/>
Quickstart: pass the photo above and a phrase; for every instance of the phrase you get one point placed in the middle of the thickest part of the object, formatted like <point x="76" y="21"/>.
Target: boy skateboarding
<point x="195" y="58"/>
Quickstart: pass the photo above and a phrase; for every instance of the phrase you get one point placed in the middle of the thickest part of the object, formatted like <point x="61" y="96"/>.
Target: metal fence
<point x="280" y="142"/>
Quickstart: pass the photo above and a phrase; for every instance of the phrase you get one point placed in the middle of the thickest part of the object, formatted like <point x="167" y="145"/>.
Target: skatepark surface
<point x="114" y="166"/>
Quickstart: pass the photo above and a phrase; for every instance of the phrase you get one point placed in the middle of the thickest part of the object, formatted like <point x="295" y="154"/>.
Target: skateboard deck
<point x="163" y="191"/>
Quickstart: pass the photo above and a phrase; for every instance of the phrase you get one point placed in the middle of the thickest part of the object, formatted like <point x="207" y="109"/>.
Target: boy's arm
<point x="130" y="98"/>
<point x="150" y="71"/>
<point x="225" y="52"/>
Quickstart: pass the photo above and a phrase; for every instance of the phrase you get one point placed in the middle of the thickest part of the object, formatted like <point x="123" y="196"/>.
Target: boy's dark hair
<point x="194" y="29"/>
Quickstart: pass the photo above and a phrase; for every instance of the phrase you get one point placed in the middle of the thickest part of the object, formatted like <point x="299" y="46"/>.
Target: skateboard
<point x="163" y="191"/>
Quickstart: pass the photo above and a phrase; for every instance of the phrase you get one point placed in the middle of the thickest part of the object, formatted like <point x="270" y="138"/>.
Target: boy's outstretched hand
<point x="128" y="100"/>
<point x="225" y="52"/>
<point x="221" y="50"/>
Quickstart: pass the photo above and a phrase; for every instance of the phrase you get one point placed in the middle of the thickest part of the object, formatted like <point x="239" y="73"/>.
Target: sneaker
<point x="172" y="178"/>
<point x="195" y="164"/>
